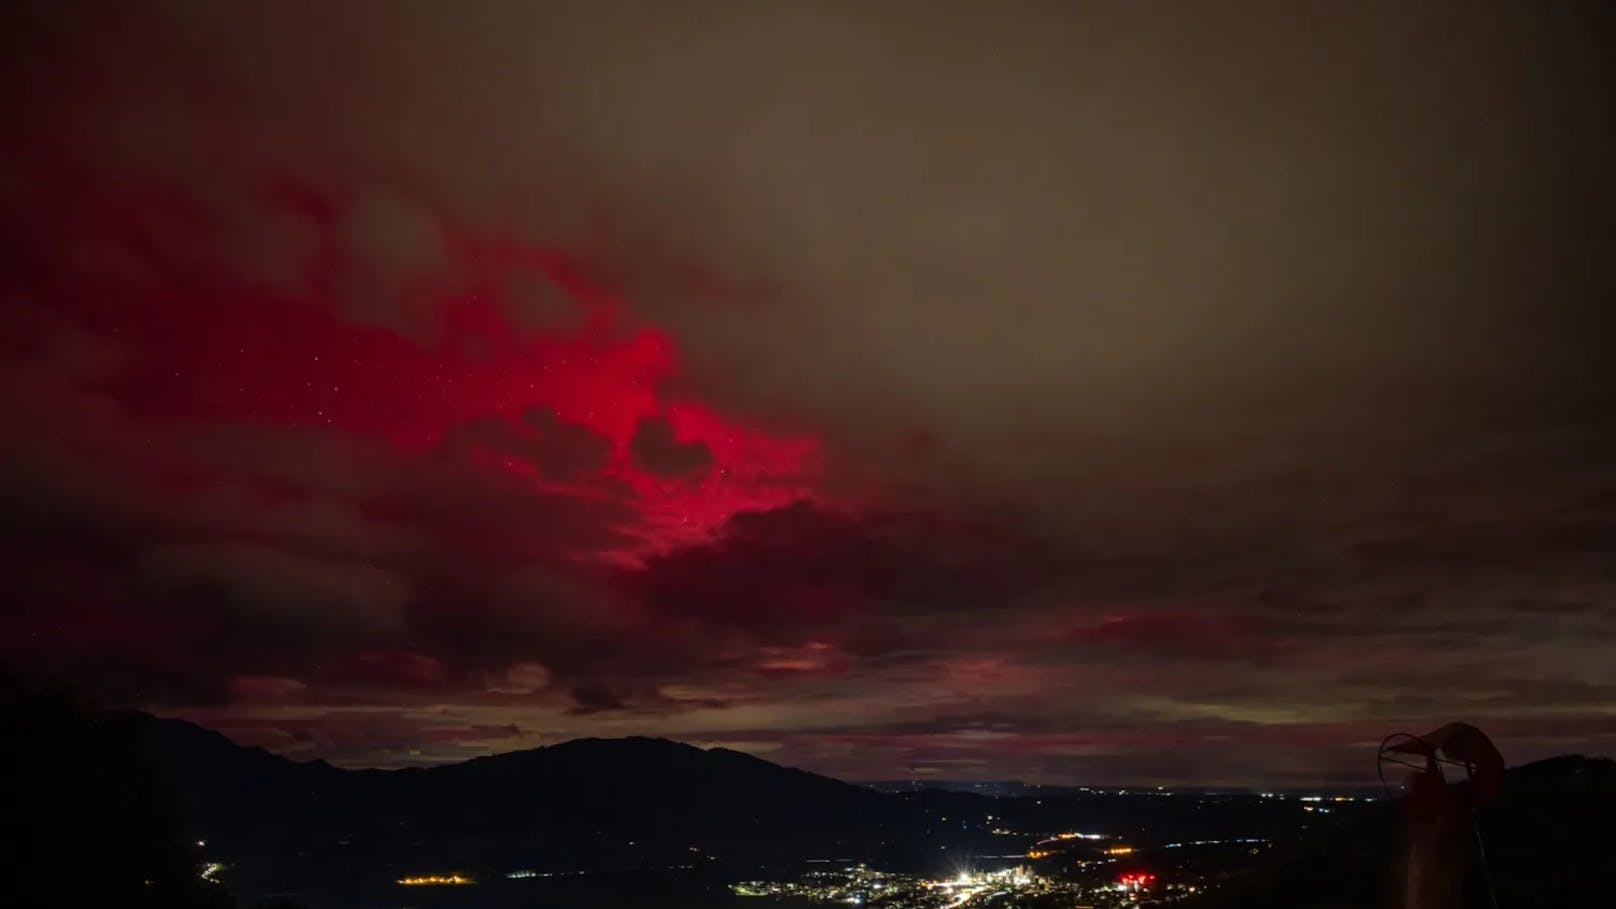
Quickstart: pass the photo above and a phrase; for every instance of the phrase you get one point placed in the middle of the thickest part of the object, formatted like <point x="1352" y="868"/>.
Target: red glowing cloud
<point x="448" y="341"/>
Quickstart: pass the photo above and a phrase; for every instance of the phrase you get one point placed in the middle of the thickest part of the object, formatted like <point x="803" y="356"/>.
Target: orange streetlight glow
<point x="436" y="880"/>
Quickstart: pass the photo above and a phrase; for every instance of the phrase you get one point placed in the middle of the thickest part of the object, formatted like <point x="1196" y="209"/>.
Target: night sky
<point x="1186" y="393"/>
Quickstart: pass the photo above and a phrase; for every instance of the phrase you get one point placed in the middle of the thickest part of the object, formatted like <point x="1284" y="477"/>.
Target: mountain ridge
<point x="173" y="727"/>
<point x="582" y="801"/>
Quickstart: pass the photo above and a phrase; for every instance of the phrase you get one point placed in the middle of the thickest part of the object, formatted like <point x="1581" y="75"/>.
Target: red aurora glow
<point x="206" y="343"/>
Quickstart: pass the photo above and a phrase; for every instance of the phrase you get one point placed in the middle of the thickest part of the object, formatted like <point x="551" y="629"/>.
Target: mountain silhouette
<point x="583" y="803"/>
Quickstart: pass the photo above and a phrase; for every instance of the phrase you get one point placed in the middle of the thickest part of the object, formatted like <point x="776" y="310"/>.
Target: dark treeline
<point x="86" y="818"/>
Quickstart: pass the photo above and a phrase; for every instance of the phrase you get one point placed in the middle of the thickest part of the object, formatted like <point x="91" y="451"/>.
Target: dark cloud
<point x="258" y="586"/>
<point x="659" y="451"/>
<point x="798" y="564"/>
<point x="558" y="450"/>
<point x="806" y="565"/>
<point x="565" y="450"/>
<point x="1191" y="636"/>
<point x="592" y="698"/>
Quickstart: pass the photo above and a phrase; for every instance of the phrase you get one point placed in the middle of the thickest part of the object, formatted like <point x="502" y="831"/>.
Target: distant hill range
<point x="583" y="803"/>
<point x="633" y="802"/>
<point x="641" y="802"/>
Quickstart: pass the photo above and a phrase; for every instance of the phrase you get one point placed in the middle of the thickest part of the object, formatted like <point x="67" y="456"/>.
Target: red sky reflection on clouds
<point x="446" y="359"/>
<point x="356" y="467"/>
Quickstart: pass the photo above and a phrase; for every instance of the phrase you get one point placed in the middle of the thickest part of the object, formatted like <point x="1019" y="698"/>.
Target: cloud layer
<point x="1012" y="391"/>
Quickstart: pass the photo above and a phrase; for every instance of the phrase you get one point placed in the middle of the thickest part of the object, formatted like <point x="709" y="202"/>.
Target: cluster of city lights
<point x="1038" y="852"/>
<point x="1073" y="836"/>
<point x="436" y="880"/>
<point x="859" y="885"/>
